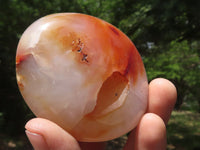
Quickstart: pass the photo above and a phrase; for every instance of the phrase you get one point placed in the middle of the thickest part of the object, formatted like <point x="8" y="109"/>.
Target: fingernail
<point x="38" y="142"/>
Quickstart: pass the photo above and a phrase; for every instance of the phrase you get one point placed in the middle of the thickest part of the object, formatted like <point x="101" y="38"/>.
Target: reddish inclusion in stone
<point x="20" y="58"/>
<point x="114" y="30"/>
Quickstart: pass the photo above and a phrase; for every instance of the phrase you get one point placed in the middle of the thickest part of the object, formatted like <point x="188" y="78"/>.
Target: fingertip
<point x="165" y="85"/>
<point x="149" y="134"/>
<point x="162" y="98"/>
<point x="44" y="134"/>
<point x="37" y="140"/>
<point x="33" y="124"/>
<point x="154" y="131"/>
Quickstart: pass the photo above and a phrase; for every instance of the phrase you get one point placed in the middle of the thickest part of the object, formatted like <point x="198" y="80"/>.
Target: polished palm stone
<point x="83" y="74"/>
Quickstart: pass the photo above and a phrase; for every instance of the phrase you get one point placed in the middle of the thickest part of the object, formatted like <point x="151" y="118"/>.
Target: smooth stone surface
<point x="83" y="74"/>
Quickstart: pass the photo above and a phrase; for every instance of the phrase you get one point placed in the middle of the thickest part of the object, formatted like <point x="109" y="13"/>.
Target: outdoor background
<point x="166" y="33"/>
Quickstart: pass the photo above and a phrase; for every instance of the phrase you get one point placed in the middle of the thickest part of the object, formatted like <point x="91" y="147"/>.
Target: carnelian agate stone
<point x="83" y="74"/>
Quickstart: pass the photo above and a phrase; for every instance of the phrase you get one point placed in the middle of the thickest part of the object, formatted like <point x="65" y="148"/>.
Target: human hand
<point x="149" y="134"/>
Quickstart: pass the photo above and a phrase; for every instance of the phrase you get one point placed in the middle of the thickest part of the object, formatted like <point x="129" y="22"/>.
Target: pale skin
<point x="149" y="134"/>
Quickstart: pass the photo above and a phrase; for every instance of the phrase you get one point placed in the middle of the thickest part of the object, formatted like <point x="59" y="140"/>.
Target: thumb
<point x="46" y="135"/>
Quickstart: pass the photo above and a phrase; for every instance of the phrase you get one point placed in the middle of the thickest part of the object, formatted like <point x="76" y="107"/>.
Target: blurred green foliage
<point x="183" y="133"/>
<point x="166" y="33"/>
